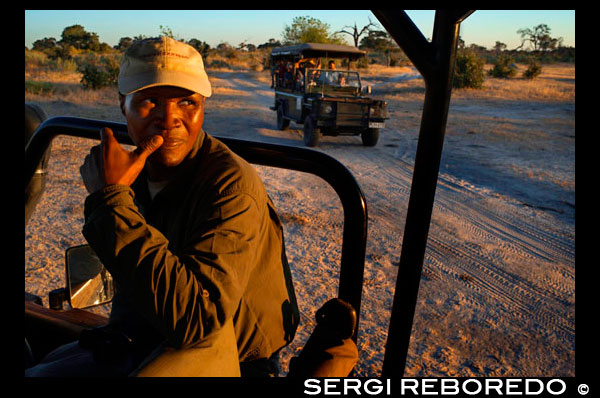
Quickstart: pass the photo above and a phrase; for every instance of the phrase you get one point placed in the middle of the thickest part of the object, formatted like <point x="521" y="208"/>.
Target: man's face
<point x="174" y="113"/>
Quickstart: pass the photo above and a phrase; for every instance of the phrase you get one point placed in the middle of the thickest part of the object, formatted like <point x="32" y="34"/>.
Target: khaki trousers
<point x="216" y="356"/>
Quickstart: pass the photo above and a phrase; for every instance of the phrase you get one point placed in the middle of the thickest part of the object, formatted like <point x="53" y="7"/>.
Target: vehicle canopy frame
<point x="317" y="50"/>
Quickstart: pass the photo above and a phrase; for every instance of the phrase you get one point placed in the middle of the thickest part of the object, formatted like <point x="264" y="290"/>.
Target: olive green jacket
<point x="208" y="248"/>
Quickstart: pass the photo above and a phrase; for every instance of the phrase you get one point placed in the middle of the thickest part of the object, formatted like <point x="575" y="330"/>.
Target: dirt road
<point x="497" y="291"/>
<point x="497" y="294"/>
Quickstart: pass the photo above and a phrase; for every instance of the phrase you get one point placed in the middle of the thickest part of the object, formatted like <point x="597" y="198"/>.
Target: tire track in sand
<point x="496" y="254"/>
<point x="489" y="247"/>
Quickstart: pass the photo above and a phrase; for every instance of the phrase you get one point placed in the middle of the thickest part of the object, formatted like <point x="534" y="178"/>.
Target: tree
<point x="201" y="46"/>
<point x="124" y="43"/>
<point x="47" y="43"/>
<point x="476" y="48"/>
<point x="166" y="31"/>
<point x="224" y="46"/>
<point x="377" y="40"/>
<point x="77" y="37"/>
<point x="380" y="41"/>
<point x="356" y="34"/>
<point x="499" y="47"/>
<point x="539" y="38"/>
<point x="309" y="30"/>
<point x="270" y="44"/>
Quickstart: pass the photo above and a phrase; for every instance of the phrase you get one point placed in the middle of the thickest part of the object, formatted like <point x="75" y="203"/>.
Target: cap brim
<point x="198" y="84"/>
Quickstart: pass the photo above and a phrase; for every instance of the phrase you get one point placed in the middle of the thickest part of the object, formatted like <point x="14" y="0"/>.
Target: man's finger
<point x="149" y="145"/>
<point x="107" y="139"/>
<point x="106" y="135"/>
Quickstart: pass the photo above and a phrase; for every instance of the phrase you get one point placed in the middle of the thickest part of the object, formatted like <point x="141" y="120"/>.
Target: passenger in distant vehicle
<point x="299" y="81"/>
<point x="315" y="74"/>
<point x="187" y="231"/>
<point x="331" y="77"/>
<point x="274" y="73"/>
<point x="288" y="75"/>
<point x="281" y="73"/>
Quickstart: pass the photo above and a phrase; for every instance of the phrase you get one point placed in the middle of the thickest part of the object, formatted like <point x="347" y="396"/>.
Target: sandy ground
<point x="497" y="293"/>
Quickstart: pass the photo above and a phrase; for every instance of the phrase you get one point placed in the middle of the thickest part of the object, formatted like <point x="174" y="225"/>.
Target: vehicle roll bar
<point x="435" y="61"/>
<point x="281" y="156"/>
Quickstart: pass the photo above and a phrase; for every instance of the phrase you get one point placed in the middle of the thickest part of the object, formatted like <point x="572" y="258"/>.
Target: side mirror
<point x="88" y="282"/>
<point x="366" y="90"/>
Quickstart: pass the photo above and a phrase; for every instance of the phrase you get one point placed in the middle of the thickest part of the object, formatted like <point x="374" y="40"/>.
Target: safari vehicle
<point x="46" y="328"/>
<point x="325" y="101"/>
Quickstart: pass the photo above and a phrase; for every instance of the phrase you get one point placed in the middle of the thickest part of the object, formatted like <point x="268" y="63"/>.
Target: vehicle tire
<point x="282" y="123"/>
<point x="311" y="132"/>
<point x="370" y="137"/>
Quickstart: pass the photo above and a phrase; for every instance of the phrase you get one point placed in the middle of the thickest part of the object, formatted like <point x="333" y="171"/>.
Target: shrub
<point x="36" y="87"/>
<point x="504" y="67"/>
<point x="99" y="73"/>
<point x="533" y="70"/>
<point x="468" y="72"/>
<point x="362" y="63"/>
<point x="35" y="58"/>
<point x="62" y="65"/>
<point x="218" y="63"/>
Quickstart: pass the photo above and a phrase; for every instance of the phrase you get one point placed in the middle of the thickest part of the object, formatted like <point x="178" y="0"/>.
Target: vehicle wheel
<point x="311" y="132"/>
<point x="282" y="123"/>
<point x="370" y="137"/>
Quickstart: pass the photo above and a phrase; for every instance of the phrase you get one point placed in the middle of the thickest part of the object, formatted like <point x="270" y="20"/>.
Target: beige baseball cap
<point x="162" y="61"/>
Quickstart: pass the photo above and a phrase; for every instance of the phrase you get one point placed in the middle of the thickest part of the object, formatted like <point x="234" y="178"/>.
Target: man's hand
<point x="109" y="163"/>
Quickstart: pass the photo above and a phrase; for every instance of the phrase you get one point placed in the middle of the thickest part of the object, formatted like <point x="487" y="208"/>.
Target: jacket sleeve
<point x="184" y="295"/>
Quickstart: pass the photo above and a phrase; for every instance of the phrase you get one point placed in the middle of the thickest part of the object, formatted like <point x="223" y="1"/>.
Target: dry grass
<point x="555" y="84"/>
<point x="376" y="70"/>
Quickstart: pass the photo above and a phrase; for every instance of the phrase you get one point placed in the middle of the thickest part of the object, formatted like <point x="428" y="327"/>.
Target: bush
<point x="504" y="67"/>
<point x="63" y="65"/>
<point x="35" y="58"/>
<point x="218" y="63"/>
<point x="99" y="73"/>
<point x="362" y="63"/>
<point x="533" y="70"/>
<point x="40" y="88"/>
<point x="468" y="72"/>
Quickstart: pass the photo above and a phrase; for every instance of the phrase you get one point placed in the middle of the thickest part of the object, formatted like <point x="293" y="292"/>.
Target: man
<point x="188" y="233"/>
<point x="331" y="77"/>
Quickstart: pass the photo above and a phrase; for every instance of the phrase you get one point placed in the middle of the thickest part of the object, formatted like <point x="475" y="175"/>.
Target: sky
<point x="484" y="27"/>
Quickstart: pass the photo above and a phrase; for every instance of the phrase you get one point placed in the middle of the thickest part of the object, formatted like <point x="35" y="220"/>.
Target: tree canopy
<point x="309" y="30"/>
<point x="539" y="37"/>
